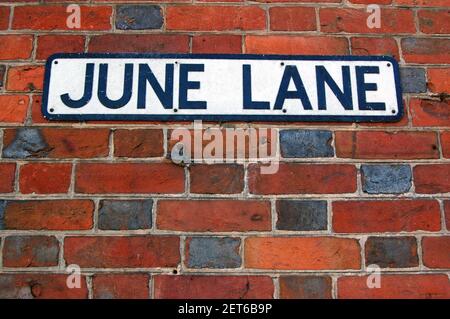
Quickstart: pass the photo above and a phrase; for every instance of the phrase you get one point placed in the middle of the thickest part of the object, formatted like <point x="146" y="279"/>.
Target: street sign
<point x="180" y="87"/>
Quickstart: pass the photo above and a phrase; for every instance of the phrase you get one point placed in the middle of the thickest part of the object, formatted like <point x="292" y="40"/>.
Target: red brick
<point x="447" y="213"/>
<point x="213" y="215"/>
<point x="213" y="287"/>
<point x="217" y="44"/>
<point x="371" y="1"/>
<point x="215" y="18"/>
<point x="434" y="21"/>
<point x="292" y="19"/>
<point x="386" y="216"/>
<point x="74" y="214"/>
<point x="50" y="44"/>
<point x="305" y="287"/>
<point x="55" y="18"/>
<point x="436" y="252"/>
<point x="423" y="3"/>
<point x="13" y="108"/>
<point x="303" y="179"/>
<point x="375" y="46"/>
<point x="4" y="18"/>
<point x="30" y="251"/>
<point x="395" y="287"/>
<point x="7" y="175"/>
<point x="25" y="78"/>
<point x="439" y="80"/>
<point x="143" y="43"/>
<point x="426" y="50"/>
<point x="16" y="47"/>
<point x="120" y="286"/>
<point x="355" y="21"/>
<point x="40" y="286"/>
<point x="445" y="143"/>
<point x="44" y="178"/>
<point x="284" y="44"/>
<point x="122" y="251"/>
<point x="430" y="112"/>
<point x="296" y="1"/>
<point x="130" y="178"/>
<point x="217" y="179"/>
<point x="302" y="253"/>
<point x="386" y="145"/>
<point x="431" y="179"/>
<point x="68" y="143"/>
<point x="138" y="143"/>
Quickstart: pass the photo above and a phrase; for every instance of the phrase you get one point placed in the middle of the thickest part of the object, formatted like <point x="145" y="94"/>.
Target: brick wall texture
<point x="106" y="196"/>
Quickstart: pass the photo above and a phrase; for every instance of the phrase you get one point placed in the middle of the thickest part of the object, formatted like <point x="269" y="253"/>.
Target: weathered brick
<point x="217" y="44"/>
<point x="143" y="43"/>
<point x="138" y="17"/>
<point x="422" y="3"/>
<point x="447" y="213"/>
<point x="30" y="251"/>
<point x="120" y="286"/>
<point x="122" y="251"/>
<point x="434" y="21"/>
<point x="213" y="287"/>
<point x="129" y="178"/>
<point x="138" y="143"/>
<point x="292" y="19"/>
<point x="16" y="47"/>
<point x="74" y="214"/>
<point x="305" y="287"/>
<point x="301" y="215"/>
<point x="436" y="252"/>
<point x="426" y="50"/>
<point x="27" y="78"/>
<point x="4" y="17"/>
<point x="303" y="179"/>
<point x="355" y="21"/>
<point x="306" y="143"/>
<point x="2" y="74"/>
<point x="125" y="214"/>
<point x="386" y="145"/>
<point x="7" y="175"/>
<point x="392" y="252"/>
<point x="55" y="143"/>
<point x="439" y="80"/>
<point x="374" y="46"/>
<point x="284" y="44"/>
<point x="13" y="107"/>
<point x="215" y="18"/>
<point x="217" y="179"/>
<point x="213" y="252"/>
<point x="445" y="143"/>
<point x="302" y="253"/>
<point x="413" y="80"/>
<point x="395" y="287"/>
<point x="386" y="179"/>
<point x="430" y="112"/>
<point x="50" y="44"/>
<point x="54" y="17"/>
<point x="431" y="179"/>
<point x="386" y="216"/>
<point x="213" y="215"/>
<point x="40" y="286"/>
<point x="45" y="178"/>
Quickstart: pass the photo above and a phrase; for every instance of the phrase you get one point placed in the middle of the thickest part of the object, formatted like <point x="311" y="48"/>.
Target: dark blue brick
<point x="392" y="252"/>
<point x="2" y="74"/>
<point x="209" y="252"/>
<point x="386" y="179"/>
<point x="138" y="17"/>
<point x="2" y="214"/>
<point x="302" y="215"/>
<point x="306" y="143"/>
<point x="413" y="80"/>
<point x="125" y="214"/>
<point x="28" y="142"/>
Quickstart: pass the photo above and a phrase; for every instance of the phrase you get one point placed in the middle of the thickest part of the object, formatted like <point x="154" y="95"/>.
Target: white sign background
<point x="221" y="86"/>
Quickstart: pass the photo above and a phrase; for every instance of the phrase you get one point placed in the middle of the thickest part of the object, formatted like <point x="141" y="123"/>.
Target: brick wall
<point x="105" y="196"/>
